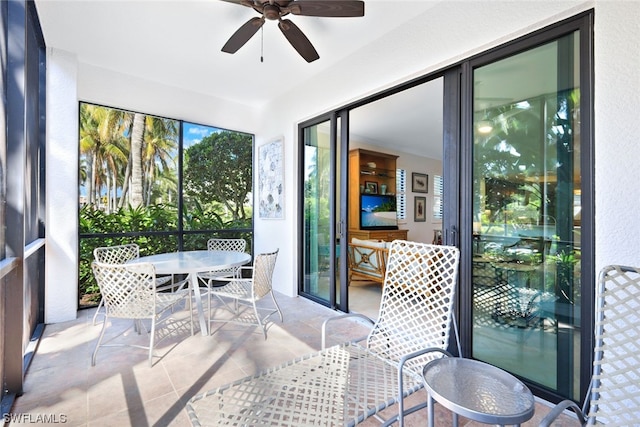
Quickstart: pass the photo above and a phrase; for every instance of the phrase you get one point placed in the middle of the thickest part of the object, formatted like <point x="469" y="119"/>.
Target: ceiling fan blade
<point x="298" y="40"/>
<point x="244" y="33"/>
<point x="326" y="8"/>
<point x="248" y="3"/>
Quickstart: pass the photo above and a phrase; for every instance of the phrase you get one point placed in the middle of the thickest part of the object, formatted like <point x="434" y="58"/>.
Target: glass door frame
<point x="338" y="295"/>
<point x="451" y="178"/>
<point x="584" y="24"/>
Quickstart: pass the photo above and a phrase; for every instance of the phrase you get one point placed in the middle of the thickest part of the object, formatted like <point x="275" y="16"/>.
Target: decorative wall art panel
<point x="271" y="179"/>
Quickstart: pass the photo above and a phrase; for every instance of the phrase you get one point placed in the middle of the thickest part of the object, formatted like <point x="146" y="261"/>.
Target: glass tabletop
<point x="195" y="261"/>
<point x="478" y="391"/>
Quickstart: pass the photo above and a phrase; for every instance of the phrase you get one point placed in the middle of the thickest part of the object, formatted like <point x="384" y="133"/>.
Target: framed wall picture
<point x="271" y="179"/>
<point x="371" y="187"/>
<point x="420" y="209"/>
<point x="419" y="182"/>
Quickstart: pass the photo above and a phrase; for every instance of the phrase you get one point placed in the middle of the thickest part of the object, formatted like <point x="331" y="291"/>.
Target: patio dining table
<point x="191" y="263"/>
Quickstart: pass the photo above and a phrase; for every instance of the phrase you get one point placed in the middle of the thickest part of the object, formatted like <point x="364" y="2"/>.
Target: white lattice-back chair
<point x="249" y="291"/>
<point x="118" y="254"/>
<point x="234" y="245"/>
<point x="416" y="308"/>
<point x="213" y="278"/>
<point x="129" y="292"/>
<point x="614" y="395"/>
<point x="121" y="254"/>
<point x="413" y="326"/>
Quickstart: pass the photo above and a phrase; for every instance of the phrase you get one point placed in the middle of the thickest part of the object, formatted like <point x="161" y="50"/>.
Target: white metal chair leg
<point x="95" y="315"/>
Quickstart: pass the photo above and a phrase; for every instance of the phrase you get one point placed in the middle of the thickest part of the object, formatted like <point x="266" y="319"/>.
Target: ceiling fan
<point x="276" y="9"/>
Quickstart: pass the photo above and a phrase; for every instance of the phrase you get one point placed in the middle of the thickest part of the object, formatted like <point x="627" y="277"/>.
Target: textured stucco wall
<point x="617" y="129"/>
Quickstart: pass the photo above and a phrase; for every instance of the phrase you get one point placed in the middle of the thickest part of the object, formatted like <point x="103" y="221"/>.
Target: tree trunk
<point x="125" y="183"/>
<point x="137" y="136"/>
<point x="91" y="194"/>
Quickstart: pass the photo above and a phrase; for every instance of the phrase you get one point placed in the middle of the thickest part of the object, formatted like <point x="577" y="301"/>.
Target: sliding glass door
<point x="527" y="188"/>
<point x="321" y="168"/>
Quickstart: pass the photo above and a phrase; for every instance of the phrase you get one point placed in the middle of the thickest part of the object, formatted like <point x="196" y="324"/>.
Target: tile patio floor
<point x="122" y="390"/>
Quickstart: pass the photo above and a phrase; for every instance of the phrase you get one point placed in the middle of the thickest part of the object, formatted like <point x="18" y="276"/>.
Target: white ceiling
<point x="177" y="43"/>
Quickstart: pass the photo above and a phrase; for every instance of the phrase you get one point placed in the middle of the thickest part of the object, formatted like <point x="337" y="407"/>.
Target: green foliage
<point x="117" y="168"/>
<point x="197" y="217"/>
<point x="565" y="262"/>
<point x="389" y="206"/>
<point x="149" y="219"/>
<point x="219" y="169"/>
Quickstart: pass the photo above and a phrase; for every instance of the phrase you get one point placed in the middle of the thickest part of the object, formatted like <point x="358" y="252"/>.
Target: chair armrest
<point x="343" y="316"/>
<point x="239" y="277"/>
<point x="403" y="361"/>
<point x="559" y="409"/>
<point x="213" y="275"/>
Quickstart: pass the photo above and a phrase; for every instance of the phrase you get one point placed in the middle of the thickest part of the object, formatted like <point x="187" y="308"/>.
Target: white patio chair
<point x="249" y="291"/>
<point x="236" y="245"/>
<point x="212" y="278"/>
<point x="120" y="254"/>
<point x="614" y="391"/>
<point x="348" y="383"/>
<point x="413" y="327"/>
<point x="129" y="291"/>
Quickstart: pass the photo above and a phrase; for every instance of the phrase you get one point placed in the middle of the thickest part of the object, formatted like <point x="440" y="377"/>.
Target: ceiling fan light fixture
<point x="485" y="126"/>
<point x="271" y="12"/>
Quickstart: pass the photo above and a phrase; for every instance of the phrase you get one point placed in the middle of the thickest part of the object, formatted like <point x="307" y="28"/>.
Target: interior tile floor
<point x="122" y="390"/>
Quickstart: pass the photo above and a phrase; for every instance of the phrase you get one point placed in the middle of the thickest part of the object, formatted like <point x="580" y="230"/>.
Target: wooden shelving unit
<point x="374" y="167"/>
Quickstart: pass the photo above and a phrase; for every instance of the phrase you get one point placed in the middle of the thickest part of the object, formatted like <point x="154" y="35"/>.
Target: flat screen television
<point x="378" y="212"/>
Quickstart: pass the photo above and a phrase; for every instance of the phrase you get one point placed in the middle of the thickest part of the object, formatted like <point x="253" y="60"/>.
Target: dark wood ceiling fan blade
<point x="327" y="8"/>
<point x="244" y="33"/>
<point x="298" y="40"/>
<point x="242" y="2"/>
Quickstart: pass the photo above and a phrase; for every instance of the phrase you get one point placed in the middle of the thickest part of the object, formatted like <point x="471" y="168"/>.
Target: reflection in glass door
<point x="319" y="193"/>
<point x="526" y="215"/>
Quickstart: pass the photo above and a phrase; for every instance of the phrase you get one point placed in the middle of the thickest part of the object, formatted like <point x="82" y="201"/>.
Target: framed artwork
<point x="371" y="187"/>
<point x="420" y="209"/>
<point x="271" y="179"/>
<point x="419" y="182"/>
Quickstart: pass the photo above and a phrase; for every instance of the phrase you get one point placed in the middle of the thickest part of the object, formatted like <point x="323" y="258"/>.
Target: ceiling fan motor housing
<point x="271" y="12"/>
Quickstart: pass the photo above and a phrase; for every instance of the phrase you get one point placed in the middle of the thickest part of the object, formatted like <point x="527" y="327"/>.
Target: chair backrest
<point x="119" y="254"/>
<point x="367" y="258"/>
<point x="236" y="245"/>
<point x="263" y="267"/>
<point x="615" y="392"/>
<point x="128" y="290"/>
<point x="417" y="301"/>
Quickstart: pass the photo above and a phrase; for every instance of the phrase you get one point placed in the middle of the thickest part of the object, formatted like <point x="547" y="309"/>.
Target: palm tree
<point x="160" y="148"/>
<point x="137" y="139"/>
<point x="90" y="145"/>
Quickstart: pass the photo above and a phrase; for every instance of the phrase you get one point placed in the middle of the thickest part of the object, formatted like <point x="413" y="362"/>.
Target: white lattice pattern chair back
<point x="615" y="394"/>
<point x="236" y="245"/>
<point x="128" y="290"/>
<point x="417" y="301"/>
<point x="119" y="254"/>
<point x="263" y="273"/>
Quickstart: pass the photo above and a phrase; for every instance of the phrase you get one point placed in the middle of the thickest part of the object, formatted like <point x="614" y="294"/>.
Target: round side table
<point x="478" y="391"/>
